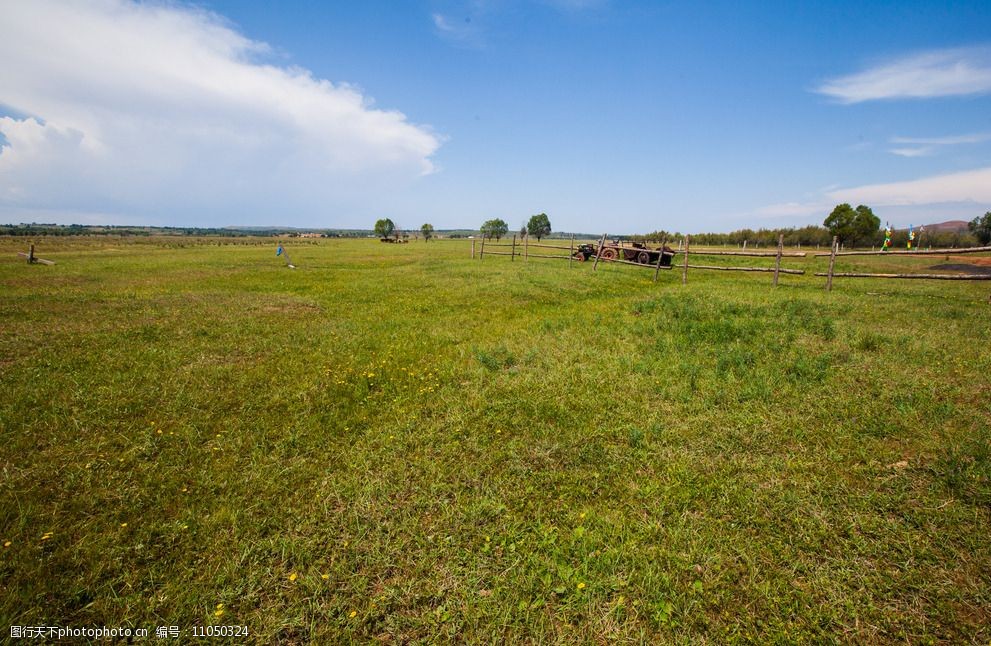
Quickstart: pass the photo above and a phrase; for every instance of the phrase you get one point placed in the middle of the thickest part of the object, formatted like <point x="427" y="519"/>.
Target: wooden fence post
<point x="832" y="261"/>
<point x="684" y="271"/>
<point x="526" y="247"/>
<point x="598" y="251"/>
<point x="660" y="257"/>
<point x="571" y="258"/>
<point x="31" y="254"/>
<point x="512" y="256"/>
<point x="472" y="248"/>
<point x="481" y="252"/>
<point x="777" y="260"/>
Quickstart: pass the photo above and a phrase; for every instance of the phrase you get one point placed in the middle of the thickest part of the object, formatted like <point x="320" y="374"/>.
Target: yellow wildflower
<point x="581" y="586"/>
<point x="6" y="544"/>
<point x="123" y="524"/>
<point x="324" y="576"/>
<point x="354" y="613"/>
<point x="292" y="577"/>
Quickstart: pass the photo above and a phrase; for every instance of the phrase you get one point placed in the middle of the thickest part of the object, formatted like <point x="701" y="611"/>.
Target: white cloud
<point x="161" y="108"/>
<point x="925" y="146"/>
<point x="968" y="186"/>
<point x="935" y="198"/>
<point x="462" y="32"/>
<point x="921" y="151"/>
<point x="954" y="140"/>
<point x="947" y="72"/>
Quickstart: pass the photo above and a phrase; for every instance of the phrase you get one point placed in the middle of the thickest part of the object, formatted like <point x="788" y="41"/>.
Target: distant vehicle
<point x="584" y="252"/>
<point x="637" y="252"/>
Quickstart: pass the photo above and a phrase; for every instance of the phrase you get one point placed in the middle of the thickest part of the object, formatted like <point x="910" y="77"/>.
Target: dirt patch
<point x="967" y="269"/>
<point x="983" y="262"/>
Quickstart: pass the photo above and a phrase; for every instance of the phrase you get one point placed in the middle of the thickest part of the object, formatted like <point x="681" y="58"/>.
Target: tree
<point x="384" y="228"/>
<point x="494" y="228"/>
<point x="539" y="226"/>
<point x="849" y="224"/>
<point x="866" y="224"/>
<point x="981" y="228"/>
<point x="428" y="232"/>
<point x="840" y="221"/>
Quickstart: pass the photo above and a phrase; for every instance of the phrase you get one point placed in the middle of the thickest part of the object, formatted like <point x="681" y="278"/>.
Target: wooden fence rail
<point x="766" y="254"/>
<point x="848" y="274"/>
<point x="905" y="252"/>
<point x="768" y="270"/>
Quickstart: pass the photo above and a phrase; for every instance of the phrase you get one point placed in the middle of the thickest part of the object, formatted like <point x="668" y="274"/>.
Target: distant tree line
<point x="44" y="229"/>
<point x="858" y="227"/>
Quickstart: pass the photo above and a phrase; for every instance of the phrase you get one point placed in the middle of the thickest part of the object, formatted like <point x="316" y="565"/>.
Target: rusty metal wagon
<point x="637" y="252"/>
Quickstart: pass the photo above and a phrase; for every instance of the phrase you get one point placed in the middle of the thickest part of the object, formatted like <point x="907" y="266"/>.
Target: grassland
<point x="397" y="443"/>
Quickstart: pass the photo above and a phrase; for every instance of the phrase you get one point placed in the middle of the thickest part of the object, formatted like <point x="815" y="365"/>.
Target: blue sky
<point x="625" y="117"/>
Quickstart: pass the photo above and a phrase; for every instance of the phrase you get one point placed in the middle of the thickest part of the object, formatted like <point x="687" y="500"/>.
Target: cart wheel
<point x="608" y="254"/>
<point x="643" y="258"/>
<point x="580" y="257"/>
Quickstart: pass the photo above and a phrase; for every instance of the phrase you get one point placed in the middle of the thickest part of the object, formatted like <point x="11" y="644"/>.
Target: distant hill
<point x="949" y="225"/>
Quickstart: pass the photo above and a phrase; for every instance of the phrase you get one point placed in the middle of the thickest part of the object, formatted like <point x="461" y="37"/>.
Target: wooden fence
<point x="522" y="248"/>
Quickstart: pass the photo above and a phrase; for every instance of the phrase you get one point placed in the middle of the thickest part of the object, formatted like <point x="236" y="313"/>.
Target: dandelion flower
<point x="354" y="613"/>
<point x="219" y="613"/>
<point x="123" y="524"/>
<point x="581" y="586"/>
<point x="324" y="576"/>
<point x="6" y="544"/>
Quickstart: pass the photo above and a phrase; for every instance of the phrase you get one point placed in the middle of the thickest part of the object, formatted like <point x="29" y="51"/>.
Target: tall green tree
<point x="981" y="228"/>
<point x="539" y="226"/>
<point x="849" y="224"/>
<point x="494" y="228"/>
<point x="840" y="221"/>
<point x="384" y="228"/>
<point x="428" y="232"/>
<point x="866" y="224"/>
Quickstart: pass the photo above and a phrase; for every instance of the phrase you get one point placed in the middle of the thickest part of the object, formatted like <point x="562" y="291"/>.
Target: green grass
<point x="489" y="451"/>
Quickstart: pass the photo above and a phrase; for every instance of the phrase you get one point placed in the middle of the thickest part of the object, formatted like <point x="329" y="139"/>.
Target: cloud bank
<point x="968" y="186"/>
<point x="947" y="72"/>
<point x="924" y="146"/>
<point x="962" y="195"/>
<point x="166" y="110"/>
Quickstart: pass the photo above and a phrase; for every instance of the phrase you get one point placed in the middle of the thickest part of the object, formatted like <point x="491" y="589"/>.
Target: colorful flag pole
<point x="911" y="237"/>
<point x="282" y="252"/>
<point x="887" y="236"/>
